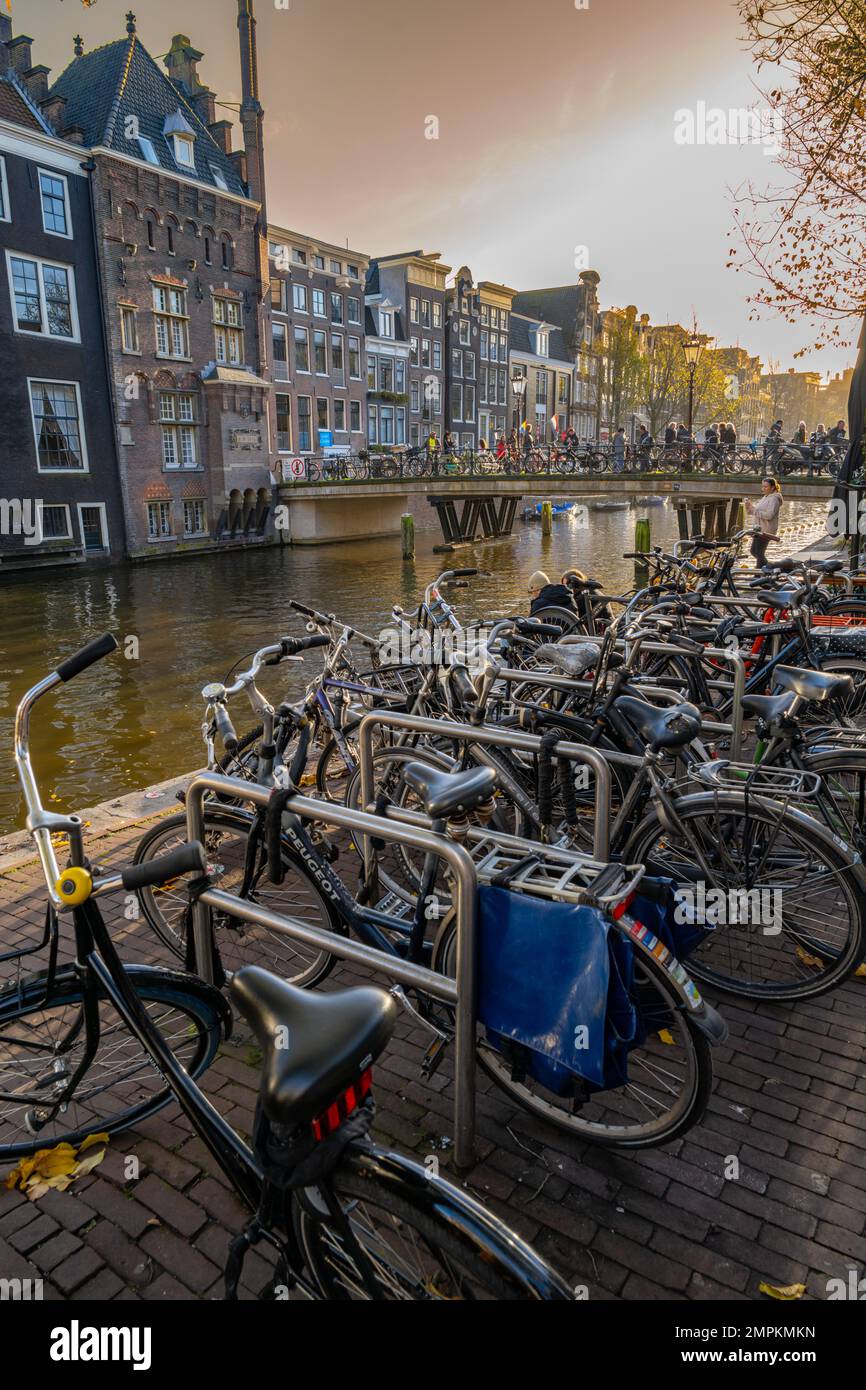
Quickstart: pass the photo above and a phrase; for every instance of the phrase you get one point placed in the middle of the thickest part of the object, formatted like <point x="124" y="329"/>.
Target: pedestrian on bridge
<point x="619" y="450"/>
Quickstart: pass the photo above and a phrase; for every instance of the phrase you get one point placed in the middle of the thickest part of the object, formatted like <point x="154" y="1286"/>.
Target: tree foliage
<point x="804" y="237"/>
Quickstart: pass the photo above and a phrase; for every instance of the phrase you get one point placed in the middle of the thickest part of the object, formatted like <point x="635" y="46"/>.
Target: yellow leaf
<point x="666" y="1037"/>
<point x="860" y="972"/>
<point x="807" y="959"/>
<point x="93" y="1139"/>
<point x="85" y="1165"/>
<point x="786" y="1294"/>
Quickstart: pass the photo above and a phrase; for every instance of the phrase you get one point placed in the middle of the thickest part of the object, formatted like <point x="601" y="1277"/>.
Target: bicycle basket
<point x="556" y="990"/>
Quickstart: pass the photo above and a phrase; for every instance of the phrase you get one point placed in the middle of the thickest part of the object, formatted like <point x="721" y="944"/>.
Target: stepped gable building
<point x="477" y="363"/>
<point x="575" y="310"/>
<point x="59" y="496"/>
<point x="183" y="264"/>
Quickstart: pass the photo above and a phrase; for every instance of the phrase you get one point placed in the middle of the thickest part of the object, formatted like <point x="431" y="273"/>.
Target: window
<point x="400" y="430"/>
<point x="464" y="334"/>
<point x="177" y="416"/>
<point x="415" y="395"/>
<point x="542" y="342"/>
<point x="355" y="417"/>
<point x="400" y="376"/>
<point x="5" y="208"/>
<point x="371" y="373"/>
<point x="44" y="298"/>
<point x="184" y="151"/>
<point x="354" y="310"/>
<point x="469" y="365"/>
<point x="284" y="424"/>
<point x="355" y="358"/>
<point x="337" y="267"/>
<point x="386" y="424"/>
<point x="337" y="357"/>
<point x="457" y="402"/>
<point x="219" y="178"/>
<point x="336" y="308"/>
<point x="482" y="346"/>
<point x="129" y="329"/>
<point x="503" y="388"/>
<point x="425" y="313"/>
<point x="278" y="296"/>
<point x="322" y="414"/>
<point x="169" y="229"/>
<point x="494" y="318"/>
<point x="58" y="427"/>
<point x="372" y="423"/>
<point x="299" y="298"/>
<point x="55" y="204"/>
<point x="340" y="416"/>
<point x="280" y="340"/>
<point x="469" y="403"/>
<point x="228" y="330"/>
<point x="456" y="362"/>
<point x="386" y="374"/>
<point x="158" y="520"/>
<point x="485" y="314"/>
<point x="226" y="254"/>
<point x="493" y="352"/>
<point x="352" y="271"/>
<point x="319" y="262"/>
<point x="464" y="304"/>
<point x="299" y="257"/>
<point x="320" y="352"/>
<point x="413" y="352"/>
<point x="503" y="348"/>
<point x="304" y="424"/>
<point x="437" y="356"/>
<point x="386" y="325"/>
<point x="318" y="303"/>
<point x="413" y="309"/>
<point x="171" y="321"/>
<point x="425" y="352"/>
<point x="302" y="350"/>
<point x="55" y="521"/>
<point x="193" y="518"/>
<point x="147" y="149"/>
<point x="151" y="243"/>
<point x="437" y="315"/>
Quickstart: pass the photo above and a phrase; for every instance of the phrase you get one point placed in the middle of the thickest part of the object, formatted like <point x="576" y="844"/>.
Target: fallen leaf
<point x="666" y="1036"/>
<point x="786" y="1294"/>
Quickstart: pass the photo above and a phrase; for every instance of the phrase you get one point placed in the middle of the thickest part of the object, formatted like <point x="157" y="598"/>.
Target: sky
<point x="553" y="125"/>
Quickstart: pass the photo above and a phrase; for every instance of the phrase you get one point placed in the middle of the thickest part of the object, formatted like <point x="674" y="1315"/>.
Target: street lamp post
<point x="692" y="349"/>
<point x="518" y="386"/>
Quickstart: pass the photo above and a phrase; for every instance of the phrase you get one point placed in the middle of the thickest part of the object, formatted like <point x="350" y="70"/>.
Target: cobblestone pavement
<point x="789" y="1102"/>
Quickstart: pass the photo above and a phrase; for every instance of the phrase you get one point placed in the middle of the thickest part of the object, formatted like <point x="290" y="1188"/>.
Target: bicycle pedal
<point x="433" y="1056"/>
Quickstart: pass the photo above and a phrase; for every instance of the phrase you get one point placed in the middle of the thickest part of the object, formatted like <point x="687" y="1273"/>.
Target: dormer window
<point x="181" y="140"/>
<point x="542" y="342"/>
<point x="147" y="149"/>
<point x="386" y="324"/>
<point x="184" y="151"/>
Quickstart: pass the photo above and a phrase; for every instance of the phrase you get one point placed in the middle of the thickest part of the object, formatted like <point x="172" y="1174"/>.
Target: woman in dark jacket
<point x="544" y="594"/>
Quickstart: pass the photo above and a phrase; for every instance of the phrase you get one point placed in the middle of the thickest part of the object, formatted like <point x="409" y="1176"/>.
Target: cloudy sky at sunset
<point x="556" y="131"/>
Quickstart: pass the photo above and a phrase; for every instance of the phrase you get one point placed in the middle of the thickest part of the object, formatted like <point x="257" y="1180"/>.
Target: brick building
<point x="179" y="221"/>
<point x="317" y="346"/>
<point x="574" y="309"/>
<point x="60" y="495"/>
<point x="406" y="297"/>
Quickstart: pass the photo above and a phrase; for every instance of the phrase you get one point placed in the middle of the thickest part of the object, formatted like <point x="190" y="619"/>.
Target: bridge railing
<point x="552" y="461"/>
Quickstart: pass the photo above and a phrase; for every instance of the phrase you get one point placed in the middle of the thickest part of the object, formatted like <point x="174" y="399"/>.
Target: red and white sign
<point x="298" y="468"/>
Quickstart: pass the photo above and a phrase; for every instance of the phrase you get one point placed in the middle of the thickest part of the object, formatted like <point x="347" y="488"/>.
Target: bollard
<point x="642" y="542"/>
<point x="407" y="531"/>
<point x="546" y="518"/>
<point x="741" y="523"/>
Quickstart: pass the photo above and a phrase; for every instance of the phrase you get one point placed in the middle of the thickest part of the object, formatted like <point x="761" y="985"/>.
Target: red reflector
<point x="622" y="908"/>
<point x="353" y="1096"/>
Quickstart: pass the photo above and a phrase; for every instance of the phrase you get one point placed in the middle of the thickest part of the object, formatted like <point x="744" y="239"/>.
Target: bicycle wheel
<point x="41" y="1044"/>
<point x="240" y="943"/>
<point x="669" y="1074"/>
<point x="414" y="1253"/>
<point x="805" y="893"/>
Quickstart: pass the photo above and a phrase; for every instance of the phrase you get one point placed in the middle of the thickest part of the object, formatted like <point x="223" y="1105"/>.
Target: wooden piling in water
<point x="546" y="518"/>
<point x="407" y="532"/>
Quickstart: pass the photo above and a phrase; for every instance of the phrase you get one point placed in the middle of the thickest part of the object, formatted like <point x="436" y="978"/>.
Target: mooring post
<point x="407" y="531"/>
<point x="641" y="543"/>
<point x="546" y="518"/>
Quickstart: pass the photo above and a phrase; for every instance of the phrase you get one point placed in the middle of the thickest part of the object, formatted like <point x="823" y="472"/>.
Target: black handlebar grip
<point x="186" y="859"/>
<point x="293" y="645"/>
<point x="461" y="683"/>
<point x="528" y="628"/>
<point x="226" y="729"/>
<point x="464" y="574"/>
<point x="93" y="652"/>
<point x="302" y="608"/>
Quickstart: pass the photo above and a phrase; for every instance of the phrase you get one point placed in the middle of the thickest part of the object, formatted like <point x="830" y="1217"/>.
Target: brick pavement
<point x="789" y="1102"/>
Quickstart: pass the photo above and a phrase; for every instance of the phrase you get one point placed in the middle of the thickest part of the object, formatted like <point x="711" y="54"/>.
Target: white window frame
<point x="169" y="535"/>
<point x="85" y="462"/>
<point x="103" y="521"/>
<point x="194" y="502"/>
<point x="171" y="316"/>
<point x="6" y="211"/>
<point x="386" y="323"/>
<point x="187" y="142"/>
<point x="73" y="298"/>
<point x="128" y="310"/>
<point x="67" y="535"/>
<point x="281" y="330"/>
<point x="67" y="210"/>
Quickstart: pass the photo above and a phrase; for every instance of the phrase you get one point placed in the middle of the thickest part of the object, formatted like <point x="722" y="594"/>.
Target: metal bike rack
<point x="503" y="738"/>
<point x="460" y="993"/>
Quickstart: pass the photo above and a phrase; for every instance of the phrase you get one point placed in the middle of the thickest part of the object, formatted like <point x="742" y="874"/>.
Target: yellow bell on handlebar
<point x="74" y="887"/>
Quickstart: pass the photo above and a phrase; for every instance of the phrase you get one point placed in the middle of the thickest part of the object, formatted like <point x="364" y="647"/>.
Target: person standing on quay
<point x="766" y="513"/>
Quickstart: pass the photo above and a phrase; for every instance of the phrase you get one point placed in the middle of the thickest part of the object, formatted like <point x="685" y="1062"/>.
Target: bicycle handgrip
<point x="461" y="683"/>
<point x="226" y="729"/>
<point x="527" y="628"/>
<point x="186" y="859"/>
<point x="293" y="645"/>
<point x="302" y="608"/>
<point x="464" y="574"/>
<point x="93" y="652"/>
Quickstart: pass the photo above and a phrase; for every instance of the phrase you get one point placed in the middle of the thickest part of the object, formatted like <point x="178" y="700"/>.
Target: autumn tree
<point x="804" y="237"/>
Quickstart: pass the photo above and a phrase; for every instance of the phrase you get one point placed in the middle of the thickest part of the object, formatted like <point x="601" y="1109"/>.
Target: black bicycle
<point x="96" y="1045"/>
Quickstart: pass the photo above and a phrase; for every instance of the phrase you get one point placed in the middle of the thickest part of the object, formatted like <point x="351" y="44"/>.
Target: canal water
<point x="133" y="721"/>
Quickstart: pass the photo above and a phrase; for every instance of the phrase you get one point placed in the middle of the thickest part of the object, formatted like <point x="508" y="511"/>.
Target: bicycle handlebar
<point x="225" y="728"/>
<point x="186" y="859"/>
<point x="87" y="656"/>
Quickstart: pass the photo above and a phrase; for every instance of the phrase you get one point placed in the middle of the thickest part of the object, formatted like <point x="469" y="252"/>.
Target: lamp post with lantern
<point x="692" y="349"/>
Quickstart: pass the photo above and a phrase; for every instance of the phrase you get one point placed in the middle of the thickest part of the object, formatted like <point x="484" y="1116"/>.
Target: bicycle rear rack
<point x="564" y="878"/>
<point x="790" y="783"/>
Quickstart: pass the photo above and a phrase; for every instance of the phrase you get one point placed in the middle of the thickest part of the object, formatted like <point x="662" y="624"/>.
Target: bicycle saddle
<point x="443" y="793"/>
<point x="327" y="1040"/>
<point x="672" y="727"/>
<point x="767" y="707"/>
<point x="813" y="685"/>
<point x="783" y="598"/>
<point x="572" y="660"/>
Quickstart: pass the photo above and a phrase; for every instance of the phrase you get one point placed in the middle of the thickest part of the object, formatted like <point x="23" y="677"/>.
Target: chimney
<point x="222" y="133"/>
<point x="204" y="103"/>
<point x="5" y="35"/>
<point x="20" y="52"/>
<point x="252" y="115"/>
<point x="36" y="82"/>
<point x="182" y="61"/>
<point x="54" y="110"/>
<point x="74" y="134"/>
<point x="239" y="160"/>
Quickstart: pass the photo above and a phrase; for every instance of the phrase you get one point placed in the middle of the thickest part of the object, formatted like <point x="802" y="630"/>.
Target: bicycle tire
<point x="185" y="994"/>
<point x="725" y="814"/>
<point x="240" y="943"/>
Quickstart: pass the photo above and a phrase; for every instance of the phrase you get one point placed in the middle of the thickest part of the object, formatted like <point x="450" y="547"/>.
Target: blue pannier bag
<point x="655" y="906"/>
<point x="556" y="990"/>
